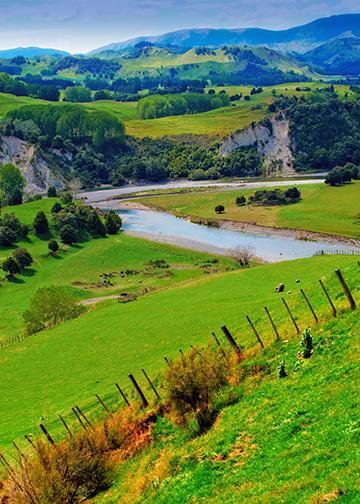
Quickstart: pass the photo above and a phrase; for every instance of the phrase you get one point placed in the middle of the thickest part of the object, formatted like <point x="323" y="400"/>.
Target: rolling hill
<point x="339" y="56"/>
<point x="30" y="52"/>
<point x="298" y="39"/>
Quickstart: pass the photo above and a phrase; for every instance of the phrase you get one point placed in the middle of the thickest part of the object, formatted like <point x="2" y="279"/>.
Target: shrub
<point x="49" y="307"/>
<point x="282" y="370"/>
<point x="240" y="200"/>
<point x="243" y="255"/>
<point x="219" y="209"/>
<point x="306" y="344"/>
<point x="192" y="382"/>
<point x="68" y="234"/>
<point x="113" y="222"/>
<point x="23" y="257"/>
<point x="56" y="208"/>
<point x="51" y="192"/>
<point x="53" y="246"/>
<point x="11" y="266"/>
<point x="7" y="236"/>
<point x="41" y="225"/>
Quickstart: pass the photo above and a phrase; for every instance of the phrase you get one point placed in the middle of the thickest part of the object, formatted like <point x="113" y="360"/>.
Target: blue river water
<point x="167" y="228"/>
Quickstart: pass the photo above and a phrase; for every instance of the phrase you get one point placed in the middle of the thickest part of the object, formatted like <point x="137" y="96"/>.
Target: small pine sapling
<point x="282" y="369"/>
<point x="306" y="344"/>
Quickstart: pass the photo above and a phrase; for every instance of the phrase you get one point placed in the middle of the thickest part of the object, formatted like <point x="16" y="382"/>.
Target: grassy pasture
<point x="333" y="210"/>
<point x="48" y="373"/>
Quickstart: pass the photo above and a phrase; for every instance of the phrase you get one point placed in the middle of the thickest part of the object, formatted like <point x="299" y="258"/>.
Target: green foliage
<point x="282" y="370"/>
<point x="68" y="234"/>
<point x="275" y="197"/>
<point x="41" y="225"/>
<point x="7" y="236"/>
<point x="306" y="344"/>
<point x="77" y="94"/>
<point x="240" y="200"/>
<point x="11" y="229"/>
<point x="51" y="192"/>
<point x="11" y="266"/>
<point x="113" y="222"/>
<point x="342" y="174"/>
<point x="50" y="306"/>
<point x="155" y="106"/>
<point x="23" y="257"/>
<point x="12" y="184"/>
<point x="53" y="246"/>
<point x="192" y="382"/>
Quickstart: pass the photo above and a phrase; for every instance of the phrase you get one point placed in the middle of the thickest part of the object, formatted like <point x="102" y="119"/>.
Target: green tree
<point x="41" y="225"/>
<point x="77" y="94"/>
<point x="240" y="200"/>
<point x="7" y="236"/>
<point x="12" y="182"/>
<point x="49" y="307"/>
<point x="53" y="246"/>
<point x="22" y="257"/>
<point x="11" y="267"/>
<point x="219" y="209"/>
<point x="68" y="234"/>
<point x="51" y="192"/>
<point x="113" y="222"/>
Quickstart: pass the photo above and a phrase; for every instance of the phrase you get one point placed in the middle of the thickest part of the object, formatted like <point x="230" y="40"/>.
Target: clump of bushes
<point x="342" y="174"/>
<point x="306" y="344"/>
<point x="192" y="382"/>
<point x="275" y="197"/>
<point x="49" y="307"/>
<point x="18" y="262"/>
<point x="11" y="229"/>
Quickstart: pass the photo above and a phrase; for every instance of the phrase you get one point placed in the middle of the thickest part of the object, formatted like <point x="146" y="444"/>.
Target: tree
<point x="113" y="222"/>
<point x="68" y="234"/>
<point x="219" y="209"/>
<point x="22" y="257"/>
<point x="292" y="194"/>
<point x="51" y="192"/>
<point x="53" y="246"/>
<point x="41" y="225"/>
<point x="12" y="183"/>
<point x="56" y="208"/>
<point x="243" y="255"/>
<point x="77" y="94"/>
<point x="49" y="307"/>
<point x="11" y="266"/>
<point x="240" y="200"/>
<point x="7" y="236"/>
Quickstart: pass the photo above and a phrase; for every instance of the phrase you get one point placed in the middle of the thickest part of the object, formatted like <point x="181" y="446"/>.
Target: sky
<point x="79" y="26"/>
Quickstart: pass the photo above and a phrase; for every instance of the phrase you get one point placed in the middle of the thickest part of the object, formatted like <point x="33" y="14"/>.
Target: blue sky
<point x="82" y="25"/>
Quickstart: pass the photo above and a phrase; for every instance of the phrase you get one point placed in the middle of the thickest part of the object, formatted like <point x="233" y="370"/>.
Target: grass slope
<point x="79" y="267"/>
<point x="292" y="441"/>
<point x="323" y="208"/>
<point x="50" y="372"/>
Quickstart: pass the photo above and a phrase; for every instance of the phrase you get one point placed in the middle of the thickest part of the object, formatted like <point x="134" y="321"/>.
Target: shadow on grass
<point x="29" y="272"/>
<point x="15" y="280"/>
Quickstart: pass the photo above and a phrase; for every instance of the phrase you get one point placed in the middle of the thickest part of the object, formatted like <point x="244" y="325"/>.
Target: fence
<point x="327" y="297"/>
<point x="338" y="252"/>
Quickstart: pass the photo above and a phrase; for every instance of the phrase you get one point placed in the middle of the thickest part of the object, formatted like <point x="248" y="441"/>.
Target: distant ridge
<point x="298" y="39"/>
<point x="30" y="52"/>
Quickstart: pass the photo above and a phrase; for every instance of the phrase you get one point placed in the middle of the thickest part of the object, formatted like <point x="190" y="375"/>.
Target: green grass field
<point x="323" y="208"/>
<point x="48" y="373"/>
<point x="82" y="264"/>
<point x="217" y="123"/>
<point x="291" y="440"/>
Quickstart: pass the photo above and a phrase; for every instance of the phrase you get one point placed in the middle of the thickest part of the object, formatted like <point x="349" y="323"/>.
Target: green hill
<point x="339" y="56"/>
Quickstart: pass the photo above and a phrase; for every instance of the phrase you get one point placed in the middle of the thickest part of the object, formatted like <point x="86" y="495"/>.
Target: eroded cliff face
<point x="37" y="171"/>
<point x="272" y="140"/>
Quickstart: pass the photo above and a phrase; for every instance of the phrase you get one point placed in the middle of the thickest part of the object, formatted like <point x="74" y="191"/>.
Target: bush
<point x="113" y="222"/>
<point x="11" y="266"/>
<point x="23" y="257"/>
<point x="56" y="208"/>
<point x="53" y="246"/>
<point x="282" y="370"/>
<point x="306" y="344"/>
<point x="49" y="307"/>
<point x="192" y="382"/>
<point x="219" y="209"/>
<point x="51" y="192"/>
<point x="68" y="234"/>
<point x="7" y="236"/>
<point x="41" y="225"/>
<point x="240" y="200"/>
<point x="243" y="255"/>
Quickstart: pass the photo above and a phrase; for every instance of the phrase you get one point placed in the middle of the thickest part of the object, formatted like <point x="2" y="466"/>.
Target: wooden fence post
<point x="272" y="324"/>
<point x="65" y="425"/>
<point x="255" y="331"/>
<point x="309" y="305"/>
<point x="122" y="394"/>
<point x="232" y="342"/>
<point x="167" y="361"/>
<point x="218" y="343"/>
<point x="79" y="419"/>
<point x="291" y="315"/>
<point x="102" y="403"/>
<point x="138" y="390"/>
<point x="346" y="289"/>
<point x="47" y="434"/>
<point x="84" y="417"/>
<point x="328" y="297"/>
<point x="150" y="383"/>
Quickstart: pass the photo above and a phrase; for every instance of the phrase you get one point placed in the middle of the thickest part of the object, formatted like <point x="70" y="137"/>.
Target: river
<point x="270" y="246"/>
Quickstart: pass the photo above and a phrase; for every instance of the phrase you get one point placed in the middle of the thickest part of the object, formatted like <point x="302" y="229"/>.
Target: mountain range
<point x="31" y="52"/>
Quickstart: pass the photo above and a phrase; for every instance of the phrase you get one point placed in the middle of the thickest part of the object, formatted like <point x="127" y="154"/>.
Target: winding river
<point x="167" y="228"/>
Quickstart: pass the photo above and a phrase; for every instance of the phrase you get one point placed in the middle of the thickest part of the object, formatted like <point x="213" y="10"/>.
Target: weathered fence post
<point x="84" y="417"/>
<point x="328" y="297"/>
<point x="79" y="419"/>
<point x="102" y="403"/>
<point x="167" y="361"/>
<point x="346" y="289"/>
<point x="122" y="394"/>
<point x="272" y="324"/>
<point x="21" y="455"/>
<point x="218" y="343"/>
<point x="150" y="383"/>
<point x="47" y="434"/>
<point x="232" y="342"/>
<point x="291" y="315"/>
<point x="255" y="331"/>
<point x="138" y="390"/>
<point x="65" y="425"/>
<point x="309" y="305"/>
